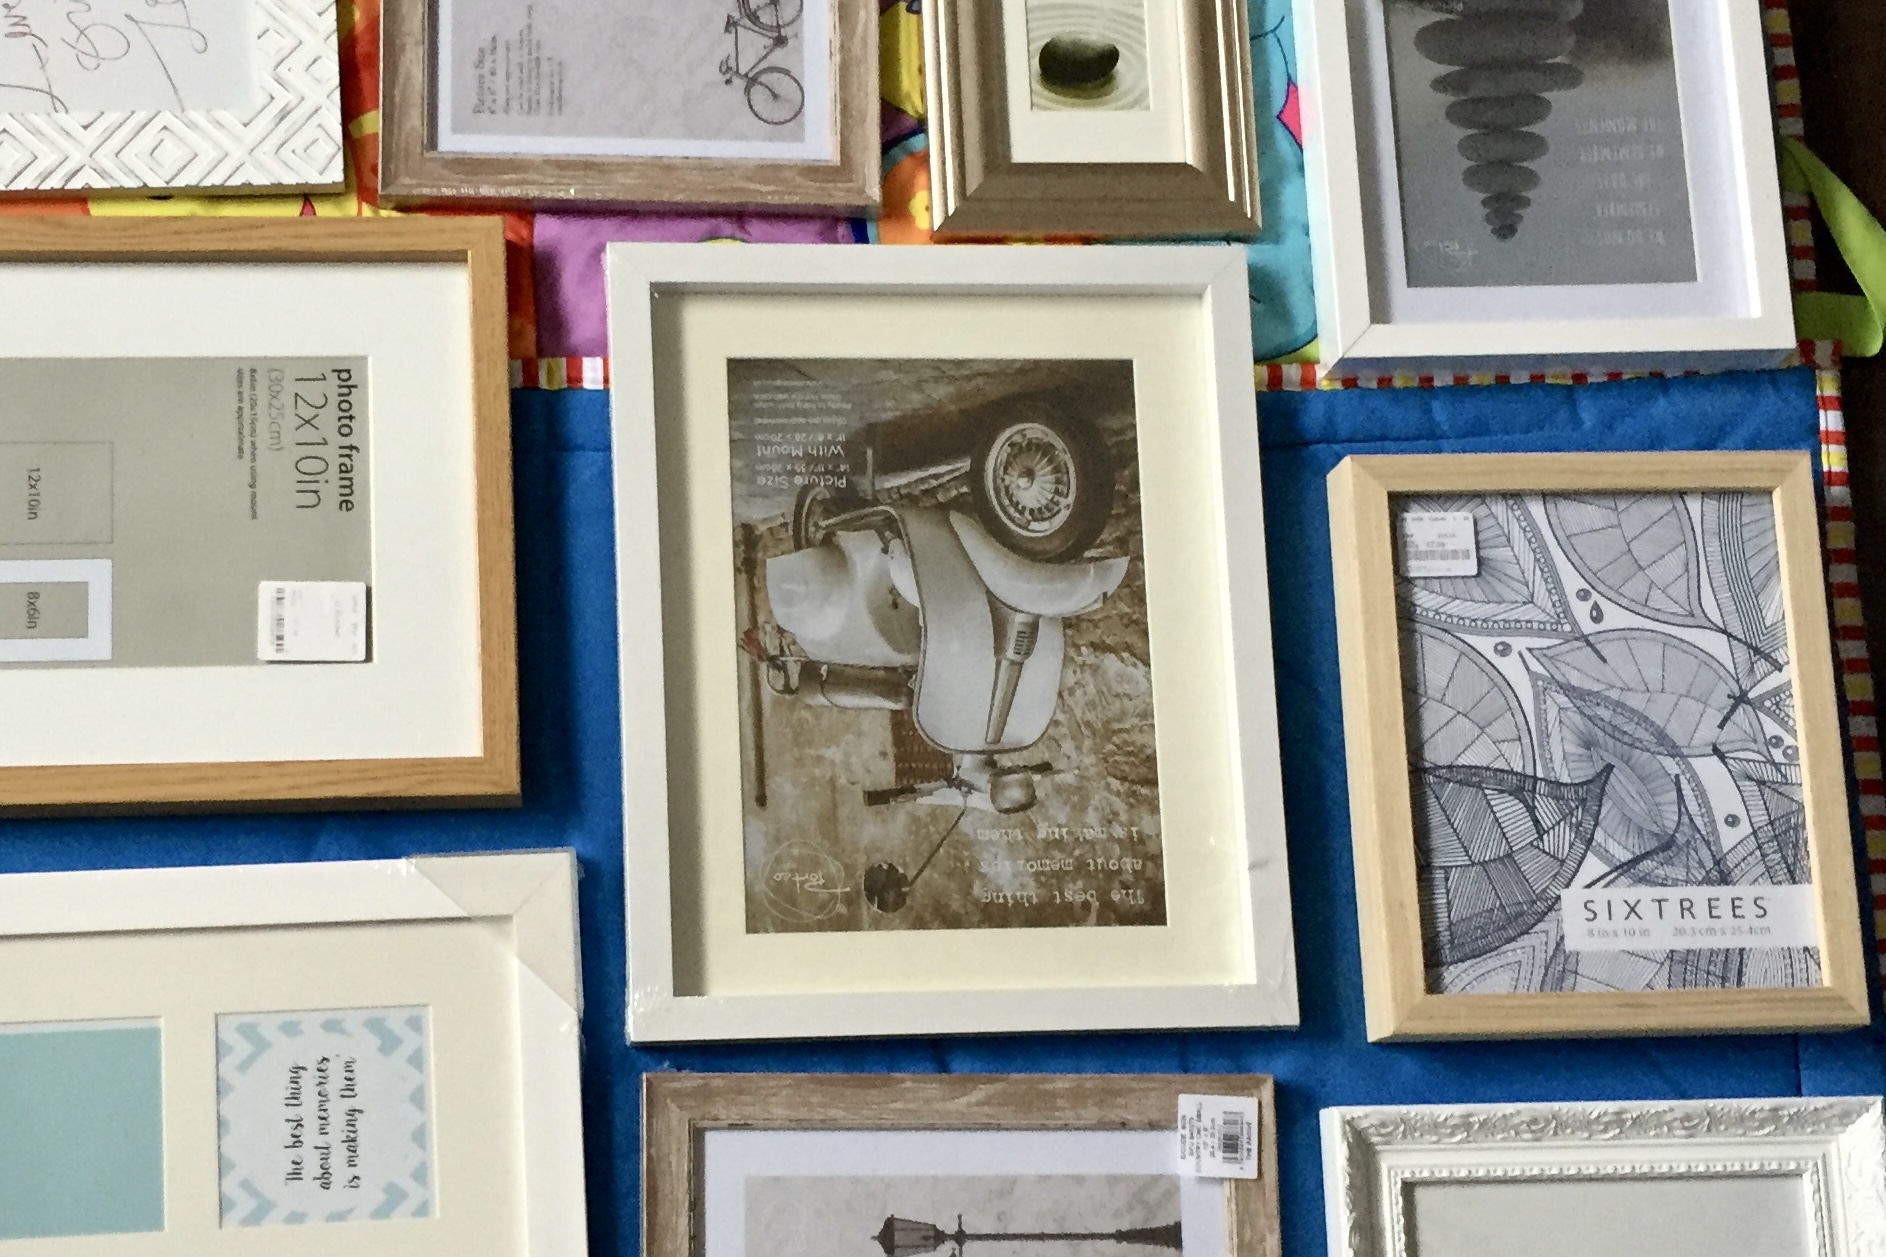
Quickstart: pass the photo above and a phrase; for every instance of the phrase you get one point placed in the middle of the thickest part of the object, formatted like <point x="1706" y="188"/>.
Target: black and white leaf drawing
<point x="1636" y="549"/>
<point x="1460" y="709"/>
<point x="1605" y="704"/>
<point x="1743" y="561"/>
<point x="1497" y="848"/>
<point x="1517" y="589"/>
<point x="1689" y="695"/>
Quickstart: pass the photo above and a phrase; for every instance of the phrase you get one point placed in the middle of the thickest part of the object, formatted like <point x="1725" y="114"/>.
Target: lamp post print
<point x="901" y="1237"/>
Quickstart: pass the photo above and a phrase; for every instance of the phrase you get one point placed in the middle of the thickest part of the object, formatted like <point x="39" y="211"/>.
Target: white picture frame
<point x="269" y="118"/>
<point x="697" y="974"/>
<point x="1737" y="313"/>
<point x="1814" y="1166"/>
<point x="491" y="956"/>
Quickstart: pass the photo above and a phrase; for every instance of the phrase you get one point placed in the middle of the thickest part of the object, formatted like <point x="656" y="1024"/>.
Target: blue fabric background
<point x="572" y="797"/>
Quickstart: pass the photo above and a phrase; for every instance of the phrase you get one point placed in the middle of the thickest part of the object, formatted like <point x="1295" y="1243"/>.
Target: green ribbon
<point x="1857" y="322"/>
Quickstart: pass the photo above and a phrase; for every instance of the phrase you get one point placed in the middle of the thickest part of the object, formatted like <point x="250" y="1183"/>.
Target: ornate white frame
<point x="291" y="140"/>
<point x="1371" y="1156"/>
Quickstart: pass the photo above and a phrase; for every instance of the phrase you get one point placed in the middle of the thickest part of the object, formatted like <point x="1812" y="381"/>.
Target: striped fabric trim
<point x="556" y="374"/>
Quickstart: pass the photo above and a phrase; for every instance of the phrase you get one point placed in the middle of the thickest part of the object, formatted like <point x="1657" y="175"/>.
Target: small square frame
<point x="1388" y="904"/>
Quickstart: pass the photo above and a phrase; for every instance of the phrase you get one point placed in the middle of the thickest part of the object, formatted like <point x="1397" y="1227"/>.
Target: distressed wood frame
<point x="492" y="777"/>
<point x="678" y="1109"/>
<point x="1399" y="1004"/>
<point x="414" y="172"/>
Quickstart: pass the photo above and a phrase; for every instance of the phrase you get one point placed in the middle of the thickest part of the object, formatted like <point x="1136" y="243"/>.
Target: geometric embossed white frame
<point x="289" y="139"/>
<point x="1836" y="1147"/>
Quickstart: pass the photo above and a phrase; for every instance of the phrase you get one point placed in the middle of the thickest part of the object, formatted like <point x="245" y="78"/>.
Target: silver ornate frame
<point x="290" y="140"/>
<point x="1373" y="1156"/>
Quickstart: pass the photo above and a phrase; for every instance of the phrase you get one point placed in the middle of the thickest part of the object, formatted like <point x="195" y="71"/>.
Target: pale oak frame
<point x="978" y="190"/>
<point x="647" y="284"/>
<point x="492" y="777"/>
<point x="677" y="1109"/>
<point x="529" y="897"/>
<point x="1398" y="1002"/>
<point x="414" y="172"/>
<point x="1372" y="1157"/>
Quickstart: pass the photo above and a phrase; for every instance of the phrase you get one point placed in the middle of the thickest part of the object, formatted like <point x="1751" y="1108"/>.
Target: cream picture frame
<point x="679" y="314"/>
<point x="480" y="949"/>
<point x="1393" y="901"/>
<point x="1787" y="1177"/>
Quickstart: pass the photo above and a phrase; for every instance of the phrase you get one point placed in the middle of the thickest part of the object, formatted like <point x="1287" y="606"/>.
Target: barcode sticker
<point x="1438" y="543"/>
<point x="1218" y="1136"/>
<point x="311" y="621"/>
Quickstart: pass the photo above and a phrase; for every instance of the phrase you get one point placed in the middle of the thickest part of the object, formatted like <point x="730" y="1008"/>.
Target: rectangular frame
<point x="1349" y="230"/>
<point x="1199" y="297"/>
<point x="289" y="139"/>
<point x="1388" y="906"/>
<point x="107" y="249"/>
<point x="413" y="171"/>
<point x="528" y="899"/>
<point x="679" y="1109"/>
<point x="1374" y="1157"/>
<point x="979" y="188"/>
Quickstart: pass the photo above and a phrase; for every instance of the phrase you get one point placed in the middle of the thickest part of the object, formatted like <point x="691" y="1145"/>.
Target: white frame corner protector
<point x="1216" y="278"/>
<point x="1836" y="1146"/>
<point x="533" y="894"/>
<point x="1358" y="334"/>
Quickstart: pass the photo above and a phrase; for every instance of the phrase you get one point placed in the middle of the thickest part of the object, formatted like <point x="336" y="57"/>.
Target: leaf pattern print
<point x="1606" y="703"/>
<point x="1460" y="709"/>
<point x="1496" y="849"/>
<point x="1691" y="697"/>
<point x="1516" y="590"/>
<point x="1637" y="549"/>
<point x="1743" y="560"/>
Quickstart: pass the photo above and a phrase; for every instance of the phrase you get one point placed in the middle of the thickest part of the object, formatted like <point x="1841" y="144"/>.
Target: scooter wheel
<point x="1042" y="483"/>
<point x="814" y="505"/>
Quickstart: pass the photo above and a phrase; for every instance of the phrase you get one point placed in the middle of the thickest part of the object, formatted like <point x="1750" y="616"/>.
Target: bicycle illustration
<point x="774" y="93"/>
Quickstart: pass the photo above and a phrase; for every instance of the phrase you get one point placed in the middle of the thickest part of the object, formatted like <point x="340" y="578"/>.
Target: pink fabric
<point x="571" y="317"/>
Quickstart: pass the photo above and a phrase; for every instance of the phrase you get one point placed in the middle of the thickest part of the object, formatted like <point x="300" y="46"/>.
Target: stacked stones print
<point x="1507" y="55"/>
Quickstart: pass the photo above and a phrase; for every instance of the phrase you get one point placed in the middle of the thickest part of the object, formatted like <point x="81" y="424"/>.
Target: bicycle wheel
<point x="772" y="16"/>
<point x="775" y="96"/>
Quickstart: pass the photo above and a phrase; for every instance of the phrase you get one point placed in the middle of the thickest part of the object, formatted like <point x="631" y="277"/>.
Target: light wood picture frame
<point x="901" y="1143"/>
<point x="381" y="1055"/>
<point x="1786" y="1177"/>
<point x="421" y="303"/>
<point x="1009" y="156"/>
<point x="789" y="873"/>
<point x="1597" y="712"/>
<point x="1651" y="237"/>
<point x="416" y="169"/>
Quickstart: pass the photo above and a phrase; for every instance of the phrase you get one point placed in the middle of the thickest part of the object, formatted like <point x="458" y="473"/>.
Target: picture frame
<point x="829" y="927"/>
<point x="1777" y="1177"/>
<point x="1164" y="143"/>
<point x="806" y="147"/>
<point x="1532" y="745"/>
<point x="416" y="310"/>
<point x="884" y="1145"/>
<point x="217" y="1059"/>
<point x="126" y="98"/>
<point x="1651" y="237"/>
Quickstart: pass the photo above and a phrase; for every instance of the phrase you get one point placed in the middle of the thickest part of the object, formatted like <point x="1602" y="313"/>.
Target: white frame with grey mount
<point x="1370" y="321"/>
<point x="1836" y="1147"/>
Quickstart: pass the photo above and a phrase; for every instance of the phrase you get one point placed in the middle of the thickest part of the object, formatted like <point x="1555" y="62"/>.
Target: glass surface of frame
<point x="1608" y="772"/>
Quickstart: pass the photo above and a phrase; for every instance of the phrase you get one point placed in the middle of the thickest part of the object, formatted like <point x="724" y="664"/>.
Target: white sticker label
<point x="1438" y="543"/>
<point x="1218" y="1136"/>
<point x="311" y="621"/>
<point x="1694" y="918"/>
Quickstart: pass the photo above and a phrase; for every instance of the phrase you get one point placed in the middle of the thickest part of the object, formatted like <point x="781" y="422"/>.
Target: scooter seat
<point x="1057" y="589"/>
